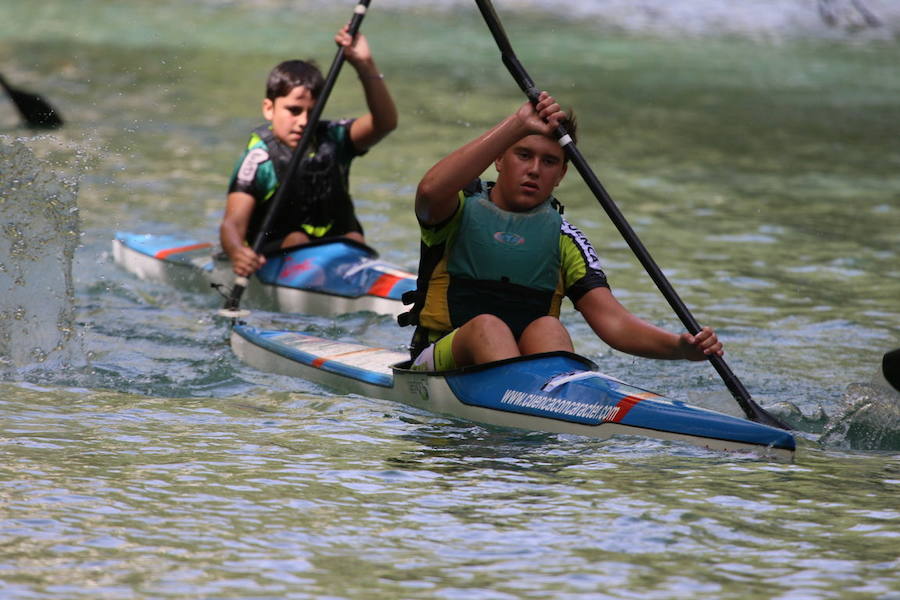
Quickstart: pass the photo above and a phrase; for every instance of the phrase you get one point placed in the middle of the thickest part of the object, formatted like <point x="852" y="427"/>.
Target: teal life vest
<point x="504" y="263"/>
<point x="498" y="262"/>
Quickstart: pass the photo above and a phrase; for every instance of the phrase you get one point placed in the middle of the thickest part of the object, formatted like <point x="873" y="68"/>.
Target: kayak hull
<point x="558" y="392"/>
<point x="326" y="278"/>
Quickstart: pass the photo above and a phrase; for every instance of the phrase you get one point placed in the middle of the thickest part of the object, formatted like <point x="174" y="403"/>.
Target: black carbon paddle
<point x="753" y="411"/>
<point x="232" y="303"/>
<point x="36" y="111"/>
<point x="890" y="366"/>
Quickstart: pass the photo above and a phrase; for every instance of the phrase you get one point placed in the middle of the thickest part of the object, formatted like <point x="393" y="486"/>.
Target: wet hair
<point x="571" y="125"/>
<point x="294" y="73"/>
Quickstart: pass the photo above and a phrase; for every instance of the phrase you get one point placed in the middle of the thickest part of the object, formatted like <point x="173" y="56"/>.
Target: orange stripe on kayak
<point x="383" y="285"/>
<point x="624" y="405"/>
<point x="323" y="359"/>
<point x="170" y="251"/>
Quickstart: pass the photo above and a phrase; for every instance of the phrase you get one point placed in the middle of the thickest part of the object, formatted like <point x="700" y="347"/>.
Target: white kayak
<point x="327" y="277"/>
<point x="557" y="392"/>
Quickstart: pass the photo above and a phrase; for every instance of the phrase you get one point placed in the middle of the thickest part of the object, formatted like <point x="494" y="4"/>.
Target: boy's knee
<point x="487" y="322"/>
<point x="545" y="334"/>
<point x="545" y="324"/>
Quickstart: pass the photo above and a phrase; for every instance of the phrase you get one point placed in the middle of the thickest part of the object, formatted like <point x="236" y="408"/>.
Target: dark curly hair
<point x="294" y="73"/>
<point x="571" y="125"/>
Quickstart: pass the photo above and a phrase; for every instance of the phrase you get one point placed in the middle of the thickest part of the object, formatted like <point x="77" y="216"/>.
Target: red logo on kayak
<point x="290" y="269"/>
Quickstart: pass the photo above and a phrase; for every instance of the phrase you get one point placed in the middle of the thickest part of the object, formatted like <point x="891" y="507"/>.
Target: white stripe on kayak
<point x="555" y="382"/>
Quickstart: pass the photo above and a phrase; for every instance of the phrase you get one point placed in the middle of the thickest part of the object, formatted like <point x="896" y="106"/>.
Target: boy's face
<point x="527" y="173"/>
<point x="289" y="114"/>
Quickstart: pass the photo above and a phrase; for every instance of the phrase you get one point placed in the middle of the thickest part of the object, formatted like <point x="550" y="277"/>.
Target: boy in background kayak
<point x="317" y="204"/>
<point x="497" y="258"/>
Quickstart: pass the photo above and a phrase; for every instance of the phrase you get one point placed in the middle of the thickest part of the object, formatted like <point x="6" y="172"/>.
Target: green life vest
<point x="498" y="262"/>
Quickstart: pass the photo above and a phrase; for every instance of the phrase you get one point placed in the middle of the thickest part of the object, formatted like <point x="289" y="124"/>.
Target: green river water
<point x="141" y="459"/>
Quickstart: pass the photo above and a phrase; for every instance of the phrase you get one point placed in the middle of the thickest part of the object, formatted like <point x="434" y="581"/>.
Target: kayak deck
<point x="557" y="392"/>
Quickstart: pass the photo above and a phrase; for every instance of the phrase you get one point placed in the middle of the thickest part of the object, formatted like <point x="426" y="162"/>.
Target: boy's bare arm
<point x="381" y="119"/>
<point x="625" y="332"/>
<point x="436" y="196"/>
<point x="233" y="232"/>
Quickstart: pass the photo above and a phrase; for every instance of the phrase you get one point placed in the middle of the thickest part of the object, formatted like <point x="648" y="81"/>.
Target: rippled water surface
<point x="141" y="459"/>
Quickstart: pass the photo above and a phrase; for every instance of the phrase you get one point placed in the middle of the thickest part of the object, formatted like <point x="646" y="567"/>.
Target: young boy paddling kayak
<point x="497" y="258"/>
<point x="317" y="204"/>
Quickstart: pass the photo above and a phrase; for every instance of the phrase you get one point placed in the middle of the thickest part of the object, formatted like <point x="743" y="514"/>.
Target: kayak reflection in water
<point x="497" y="258"/>
<point x="317" y="202"/>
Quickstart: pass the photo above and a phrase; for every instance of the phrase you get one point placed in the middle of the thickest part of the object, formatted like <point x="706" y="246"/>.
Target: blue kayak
<point x="557" y="392"/>
<point x="327" y="277"/>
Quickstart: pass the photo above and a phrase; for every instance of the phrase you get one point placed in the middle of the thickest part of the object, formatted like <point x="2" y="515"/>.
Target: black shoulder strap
<point x="557" y="205"/>
<point x="279" y="154"/>
<point x="475" y="186"/>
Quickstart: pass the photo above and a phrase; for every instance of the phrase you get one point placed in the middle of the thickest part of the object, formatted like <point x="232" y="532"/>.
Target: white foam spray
<point x="39" y="232"/>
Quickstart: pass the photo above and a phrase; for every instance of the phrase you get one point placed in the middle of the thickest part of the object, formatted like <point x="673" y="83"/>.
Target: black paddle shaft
<point x="734" y="385"/>
<point x="233" y="301"/>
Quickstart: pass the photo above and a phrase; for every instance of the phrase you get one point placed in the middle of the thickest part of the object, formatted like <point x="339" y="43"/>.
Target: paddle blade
<point x="36" y="111"/>
<point x="890" y="365"/>
<point x="760" y="415"/>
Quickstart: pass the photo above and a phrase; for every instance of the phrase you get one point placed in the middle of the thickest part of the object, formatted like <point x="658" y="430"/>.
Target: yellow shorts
<point x="437" y="356"/>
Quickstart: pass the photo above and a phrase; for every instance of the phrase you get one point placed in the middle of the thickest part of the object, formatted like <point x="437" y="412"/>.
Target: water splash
<point x="40" y="232"/>
<point x="868" y="420"/>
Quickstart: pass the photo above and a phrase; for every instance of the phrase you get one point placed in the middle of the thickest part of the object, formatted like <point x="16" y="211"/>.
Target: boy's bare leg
<point x="484" y="338"/>
<point x="294" y="238"/>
